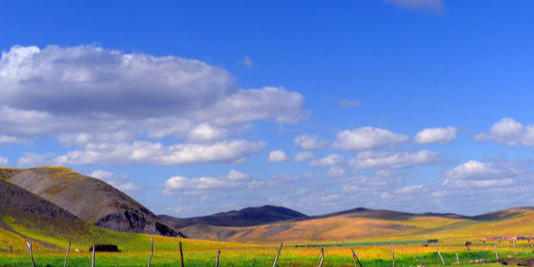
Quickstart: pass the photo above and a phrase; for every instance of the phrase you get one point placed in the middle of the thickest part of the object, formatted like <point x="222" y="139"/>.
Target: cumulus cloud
<point x="303" y="156"/>
<point x="391" y="160"/>
<point x="143" y="152"/>
<point x="367" y="138"/>
<point x="510" y="132"/>
<point x="233" y="180"/>
<point x="88" y="95"/>
<point x="120" y="182"/>
<point x="433" y="6"/>
<point x="483" y="174"/>
<point x="330" y="160"/>
<point x="436" y="135"/>
<point x="309" y="142"/>
<point x="348" y="103"/>
<point x="4" y="161"/>
<point x="277" y="156"/>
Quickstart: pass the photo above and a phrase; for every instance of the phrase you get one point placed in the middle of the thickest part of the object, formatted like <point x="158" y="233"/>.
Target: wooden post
<point x="457" y="258"/>
<point x="181" y="255"/>
<point x="66" y="255"/>
<point x="30" y="248"/>
<point x="322" y="257"/>
<point x="531" y="245"/>
<point x="93" y="257"/>
<point x="217" y="261"/>
<point x="278" y="255"/>
<point x="393" y="254"/>
<point x="495" y="250"/>
<point x="442" y="261"/>
<point x="515" y="249"/>
<point x="500" y="242"/>
<point x="355" y="259"/>
<point x="151" y="250"/>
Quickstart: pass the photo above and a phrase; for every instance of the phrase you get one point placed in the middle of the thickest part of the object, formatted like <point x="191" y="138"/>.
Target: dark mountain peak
<point x="250" y="216"/>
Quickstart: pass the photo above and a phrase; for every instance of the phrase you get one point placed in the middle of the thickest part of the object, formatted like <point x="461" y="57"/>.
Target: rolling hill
<point x="89" y="199"/>
<point x="239" y="218"/>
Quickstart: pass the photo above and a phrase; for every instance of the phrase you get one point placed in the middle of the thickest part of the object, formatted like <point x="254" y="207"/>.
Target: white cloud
<point x="277" y="156"/>
<point x="204" y="132"/>
<point x="480" y="170"/>
<point x="390" y="160"/>
<point x="120" y="182"/>
<point x="247" y="61"/>
<point x="303" y="156"/>
<point x="335" y="172"/>
<point x="88" y="96"/>
<point x="4" y="161"/>
<point x="410" y="189"/>
<point x="436" y="135"/>
<point x="233" y="180"/>
<point x="510" y="132"/>
<point x="330" y="160"/>
<point x="309" y="142"/>
<point x="367" y="138"/>
<point x="143" y="152"/>
<point x="348" y="103"/>
<point x="433" y="6"/>
<point x="484" y="174"/>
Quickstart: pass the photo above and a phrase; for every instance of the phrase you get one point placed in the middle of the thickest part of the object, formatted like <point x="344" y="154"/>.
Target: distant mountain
<point x="387" y="214"/>
<point x="239" y="218"/>
<point x="89" y="199"/>
<point x="503" y="214"/>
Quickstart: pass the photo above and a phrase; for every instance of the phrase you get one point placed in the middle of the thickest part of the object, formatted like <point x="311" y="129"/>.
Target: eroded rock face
<point x="89" y="199"/>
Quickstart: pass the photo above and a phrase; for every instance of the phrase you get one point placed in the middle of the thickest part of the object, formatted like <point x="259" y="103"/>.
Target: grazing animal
<point x="77" y="250"/>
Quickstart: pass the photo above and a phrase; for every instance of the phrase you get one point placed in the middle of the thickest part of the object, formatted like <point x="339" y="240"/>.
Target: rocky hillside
<point x="89" y="199"/>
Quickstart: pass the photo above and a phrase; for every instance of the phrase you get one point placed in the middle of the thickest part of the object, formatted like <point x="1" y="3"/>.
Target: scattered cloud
<point x="143" y="152"/>
<point x="4" y="161"/>
<point x="349" y="103"/>
<point x="335" y="172"/>
<point x="436" y="135"/>
<point x="309" y="142"/>
<point x="247" y="62"/>
<point x="205" y="133"/>
<point x="432" y="6"/>
<point x="233" y="180"/>
<point x="510" y="132"/>
<point x="391" y="160"/>
<point x="303" y="156"/>
<point x="330" y="160"/>
<point x="277" y="156"/>
<point x="120" y="182"/>
<point x="365" y="138"/>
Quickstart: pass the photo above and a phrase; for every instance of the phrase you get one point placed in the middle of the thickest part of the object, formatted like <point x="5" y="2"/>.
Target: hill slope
<point x="239" y="218"/>
<point x="89" y="199"/>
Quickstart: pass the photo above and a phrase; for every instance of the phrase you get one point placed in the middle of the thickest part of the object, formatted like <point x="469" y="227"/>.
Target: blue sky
<point x="197" y="107"/>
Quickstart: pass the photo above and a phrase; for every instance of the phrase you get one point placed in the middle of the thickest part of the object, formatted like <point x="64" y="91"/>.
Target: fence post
<point x="495" y="250"/>
<point x="355" y="259"/>
<point x="515" y="249"/>
<point x="217" y="261"/>
<point x="66" y="255"/>
<point x="442" y="261"/>
<point x="151" y="250"/>
<point x="93" y="257"/>
<point x="278" y="255"/>
<point x="457" y="258"/>
<point x="393" y="255"/>
<point x="322" y="257"/>
<point x="181" y="255"/>
<point x="30" y="247"/>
